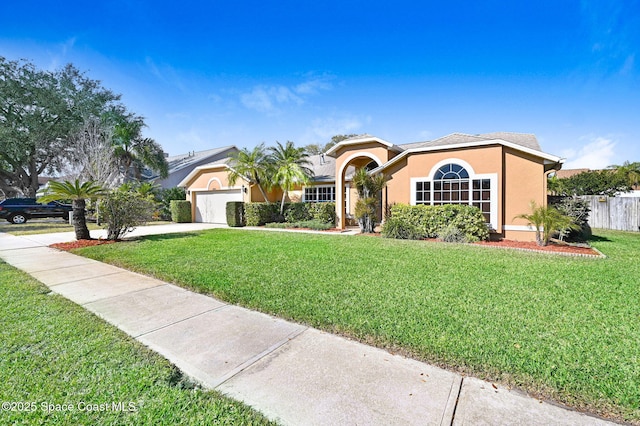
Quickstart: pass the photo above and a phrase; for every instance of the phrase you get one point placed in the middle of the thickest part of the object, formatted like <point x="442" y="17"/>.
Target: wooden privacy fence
<point x="618" y="213"/>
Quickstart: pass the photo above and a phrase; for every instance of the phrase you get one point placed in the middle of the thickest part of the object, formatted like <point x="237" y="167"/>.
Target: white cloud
<point x="165" y="73"/>
<point x="596" y="154"/>
<point x="323" y="129"/>
<point x="270" y="99"/>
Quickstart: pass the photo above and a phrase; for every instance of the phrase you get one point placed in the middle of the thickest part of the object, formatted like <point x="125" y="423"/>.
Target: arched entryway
<point x="343" y="198"/>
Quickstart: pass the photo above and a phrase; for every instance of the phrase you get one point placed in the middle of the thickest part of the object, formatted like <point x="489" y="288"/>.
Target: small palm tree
<point x="547" y="221"/>
<point x="133" y="152"/>
<point x="254" y="166"/>
<point x="291" y="168"/>
<point x="77" y="193"/>
<point x="368" y="188"/>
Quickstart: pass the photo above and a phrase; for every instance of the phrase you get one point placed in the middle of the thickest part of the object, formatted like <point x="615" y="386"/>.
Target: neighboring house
<point x="500" y="173"/>
<point x="181" y="165"/>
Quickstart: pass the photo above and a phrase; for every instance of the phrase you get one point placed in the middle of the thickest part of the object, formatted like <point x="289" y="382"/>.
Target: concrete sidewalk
<point x="293" y="374"/>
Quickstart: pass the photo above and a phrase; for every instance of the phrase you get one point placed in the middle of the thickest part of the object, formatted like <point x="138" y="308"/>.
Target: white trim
<point x="212" y="180"/>
<point x="474" y="144"/>
<point x="222" y="188"/>
<point x="493" y="178"/>
<point x="304" y="192"/>
<point x="357" y="142"/>
<point x="340" y="184"/>
<point x="528" y="228"/>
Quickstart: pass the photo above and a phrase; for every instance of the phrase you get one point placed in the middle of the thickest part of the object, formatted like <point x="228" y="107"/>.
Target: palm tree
<point x="77" y="193"/>
<point x="133" y="152"/>
<point x="291" y="168"/>
<point x="547" y="221"/>
<point x="368" y="188"/>
<point x="254" y="166"/>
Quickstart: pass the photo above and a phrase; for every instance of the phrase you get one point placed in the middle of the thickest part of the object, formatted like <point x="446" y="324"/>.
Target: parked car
<point x="19" y="210"/>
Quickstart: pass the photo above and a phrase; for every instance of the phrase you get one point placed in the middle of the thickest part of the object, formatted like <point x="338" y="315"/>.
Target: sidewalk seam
<point x="226" y="305"/>
<point x="455" y="407"/>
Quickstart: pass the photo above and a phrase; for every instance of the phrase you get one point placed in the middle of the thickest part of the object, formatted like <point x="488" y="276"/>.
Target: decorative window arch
<point x="453" y="181"/>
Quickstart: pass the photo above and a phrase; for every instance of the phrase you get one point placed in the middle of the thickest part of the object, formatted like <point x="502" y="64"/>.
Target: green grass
<point x="48" y="226"/>
<point x="54" y="352"/>
<point x="564" y="328"/>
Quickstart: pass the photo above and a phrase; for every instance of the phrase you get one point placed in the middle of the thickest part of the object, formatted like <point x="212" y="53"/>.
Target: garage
<point x="211" y="206"/>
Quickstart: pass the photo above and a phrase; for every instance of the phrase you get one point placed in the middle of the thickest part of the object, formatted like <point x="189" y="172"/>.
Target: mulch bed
<point x="80" y="243"/>
<point x="553" y="247"/>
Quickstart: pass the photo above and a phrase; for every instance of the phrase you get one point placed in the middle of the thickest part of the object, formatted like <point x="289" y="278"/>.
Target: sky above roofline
<point x="212" y="74"/>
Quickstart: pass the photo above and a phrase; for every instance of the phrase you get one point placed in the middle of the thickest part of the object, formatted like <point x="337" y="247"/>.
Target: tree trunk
<point x="79" y="220"/>
<point x="284" y="194"/>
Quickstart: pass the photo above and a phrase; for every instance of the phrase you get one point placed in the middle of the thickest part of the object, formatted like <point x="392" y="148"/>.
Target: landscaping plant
<point x="548" y="221"/>
<point x="124" y="209"/>
<point x="369" y="188"/>
<point x="78" y="193"/>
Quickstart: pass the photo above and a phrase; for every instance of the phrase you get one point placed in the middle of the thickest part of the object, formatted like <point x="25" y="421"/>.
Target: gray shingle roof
<point x="524" y="139"/>
<point x="323" y="166"/>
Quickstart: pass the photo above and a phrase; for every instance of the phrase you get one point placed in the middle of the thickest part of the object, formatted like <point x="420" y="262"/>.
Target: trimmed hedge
<point x="235" y="213"/>
<point x="258" y="214"/>
<point x="181" y="211"/>
<point x="423" y="221"/>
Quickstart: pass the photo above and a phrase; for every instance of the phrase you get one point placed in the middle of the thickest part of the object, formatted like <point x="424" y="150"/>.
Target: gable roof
<point x="191" y="158"/>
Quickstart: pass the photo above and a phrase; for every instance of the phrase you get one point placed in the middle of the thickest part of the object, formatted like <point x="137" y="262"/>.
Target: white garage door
<point x="211" y="207"/>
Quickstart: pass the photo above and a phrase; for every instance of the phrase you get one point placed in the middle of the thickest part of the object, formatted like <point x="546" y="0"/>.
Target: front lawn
<point x="560" y="327"/>
<point x="60" y="364"/>
<point x="48" y="226"/>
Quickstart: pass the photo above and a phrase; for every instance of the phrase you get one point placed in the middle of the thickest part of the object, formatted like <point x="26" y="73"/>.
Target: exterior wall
<point x="210" y="180"/>
<point x="525" y="181"/>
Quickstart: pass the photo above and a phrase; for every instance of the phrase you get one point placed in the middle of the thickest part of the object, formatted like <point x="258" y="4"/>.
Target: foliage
<point x="631" y="171"/>
<point x="430" y="220"/>
<point x="235" y="213"/>
<point x="452" y="234"/>
<point x="312" y="224"/>
<point x="548" y="221"/>
<point x="578" y="209"/>
<point x="395" y="227"/>
<point x="78" y="193"/>
<point x="92" y="156"/>
<point x="180" y="211"/>
<point x="255" y="166"/>
<point x="55" y="351"/>
<point x="124" y="209"/>
<point x="367" y="206"/>
<point x="133" y="151"/>
<point x="565" y="328"/>
<point x="323" y="212"/>
<point x="596" y="182"/>
<point x="317" y="149"/>
<point x="258" y="214"/>
<point x="164" y="196"/>
<point x="40" y="111"/>
<point x="296" y="212"/>
<point x="291" y="168"/>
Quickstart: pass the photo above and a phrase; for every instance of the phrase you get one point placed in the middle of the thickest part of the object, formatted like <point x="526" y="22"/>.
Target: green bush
<point x="164" y="196"/>
<point x="323" y="212"/>
<point x="257" y="214"/>
<point x="452" y="234"/>
<point x="400" y="229"/>
<point x="180" y="211"/>
<point x="235" y="213"/>
<point x="430" y="220"/>
<point x="296" y="212"/>
<point x="124" y="210"/>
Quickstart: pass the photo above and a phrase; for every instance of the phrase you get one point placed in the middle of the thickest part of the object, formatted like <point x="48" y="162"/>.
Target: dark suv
<point x="19" y="210"/>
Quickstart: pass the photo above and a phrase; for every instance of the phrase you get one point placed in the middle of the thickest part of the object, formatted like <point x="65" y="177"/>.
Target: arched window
<point x="452" y="184"/>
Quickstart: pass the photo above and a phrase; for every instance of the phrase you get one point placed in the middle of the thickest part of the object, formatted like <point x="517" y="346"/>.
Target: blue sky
<point x="206" y="74"/>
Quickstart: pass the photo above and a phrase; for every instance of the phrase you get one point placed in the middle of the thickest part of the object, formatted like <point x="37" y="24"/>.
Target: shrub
<point x="296" y="212"/>
<point x="548" y="221"/>
<point x="396" y="228"/>
<point x="430" y="220"/>
<point x="578" y="209"/>
<point x="164" y="196"/>
<point x="180" y="211"/>
<point x="257" y="214"/>
<point x="122" y="211"/>
<point x="235" y="213"/>
<point x="452" y="234"/>
<point x="323" y="212"/>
